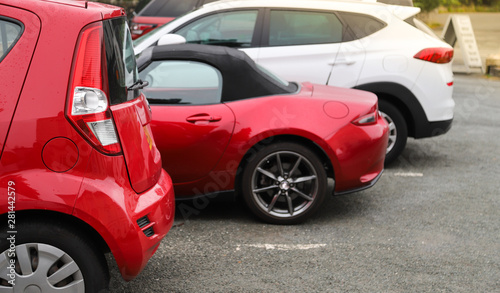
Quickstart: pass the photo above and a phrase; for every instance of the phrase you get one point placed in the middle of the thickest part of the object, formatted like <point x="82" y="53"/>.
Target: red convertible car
<point x="222" y="123"/>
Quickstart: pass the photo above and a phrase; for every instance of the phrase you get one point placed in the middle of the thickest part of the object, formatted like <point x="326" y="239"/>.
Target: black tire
<point x="398" y="131"/>
<point x="42" y="252"/>
<point x="286" y="195"/>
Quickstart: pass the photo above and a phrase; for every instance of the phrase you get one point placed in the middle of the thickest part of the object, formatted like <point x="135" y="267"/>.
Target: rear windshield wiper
<point x="139" y="84"/>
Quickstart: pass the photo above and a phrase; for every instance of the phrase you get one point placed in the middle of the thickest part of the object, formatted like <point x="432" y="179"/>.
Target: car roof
<point x="312" y="4"/>
<point x="105" y="11"/>
<point x="399" y="8"/>
<point x="242" y="78"/>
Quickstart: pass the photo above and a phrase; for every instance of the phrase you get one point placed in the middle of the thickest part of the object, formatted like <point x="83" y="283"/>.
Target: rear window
<point x="168" y="8"/>
<point x="122" y="68"/>
<point x="361" y="25"/>
<point x="10" y="32"/>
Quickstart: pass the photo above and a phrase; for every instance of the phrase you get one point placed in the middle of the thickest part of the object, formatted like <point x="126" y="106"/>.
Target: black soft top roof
<point x="242" y="78"/>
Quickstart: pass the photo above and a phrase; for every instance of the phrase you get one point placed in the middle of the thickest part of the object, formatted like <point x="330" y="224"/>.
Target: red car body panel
<point x="185" y="144"/>
<point x="57" y="170"/>
<point x="356" y="152"/>
<point x="143" y="159"/>
<point x="141" y="25"/>
<point x="110" y="187"/>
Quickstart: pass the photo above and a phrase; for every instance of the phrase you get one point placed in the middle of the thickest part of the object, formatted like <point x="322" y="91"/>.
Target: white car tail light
<point x="435" y="55"/>
<point x="88" y="106"/>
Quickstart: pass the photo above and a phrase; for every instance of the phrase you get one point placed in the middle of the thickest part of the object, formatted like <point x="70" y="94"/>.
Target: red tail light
<point x="435" y="55"/>
<point x="88" y="105"/>
<point x="139" y="29"/>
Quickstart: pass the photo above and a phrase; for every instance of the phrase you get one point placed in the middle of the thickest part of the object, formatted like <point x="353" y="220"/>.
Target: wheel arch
<point x="404" y="100"/>
<point x="319" y="151"/>
<point x="62" y="219"/>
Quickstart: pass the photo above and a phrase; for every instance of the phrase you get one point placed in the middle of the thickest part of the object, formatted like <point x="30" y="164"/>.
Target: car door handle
<point x="203" y="118"/>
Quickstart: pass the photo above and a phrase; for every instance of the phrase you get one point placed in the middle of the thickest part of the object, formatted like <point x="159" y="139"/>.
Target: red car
<point x="159" y="12"/>
<point x="80" y="174"/>
<point x="222" y="123"/>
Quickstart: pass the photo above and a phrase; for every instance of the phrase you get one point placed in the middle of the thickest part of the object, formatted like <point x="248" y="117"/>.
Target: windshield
<point x="120" y="59"/>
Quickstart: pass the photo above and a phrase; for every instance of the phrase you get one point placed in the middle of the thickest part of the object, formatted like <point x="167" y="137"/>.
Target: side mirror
<point x="171" y="39"/>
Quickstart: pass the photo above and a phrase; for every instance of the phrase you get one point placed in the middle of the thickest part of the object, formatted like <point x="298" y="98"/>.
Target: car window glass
<point x="362" y="25"/>
<point x="168" y="8"/>
<point x="303" y="28"/>
<point x="9" y="34"/>
<point x="233" y="29"/>
<point x="182" y="82"/>
<point x="122" y="68"/>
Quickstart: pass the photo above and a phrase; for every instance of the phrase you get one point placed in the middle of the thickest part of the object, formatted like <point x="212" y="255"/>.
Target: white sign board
<point x="459" y="28"/>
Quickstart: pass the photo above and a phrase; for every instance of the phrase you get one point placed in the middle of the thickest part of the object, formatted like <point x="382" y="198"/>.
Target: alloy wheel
<point x="284" y="184"/>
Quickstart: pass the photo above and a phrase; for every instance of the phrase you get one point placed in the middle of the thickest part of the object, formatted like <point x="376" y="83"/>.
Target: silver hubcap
<point x="284" y="184"/>
<point x="39" y="268"/>
<point x="393" y="132"/>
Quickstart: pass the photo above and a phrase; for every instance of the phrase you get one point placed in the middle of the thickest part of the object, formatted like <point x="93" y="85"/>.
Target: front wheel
<point x="285" y="183"/>
<point x="46" y="257"/>
<point x="398" y="131"/>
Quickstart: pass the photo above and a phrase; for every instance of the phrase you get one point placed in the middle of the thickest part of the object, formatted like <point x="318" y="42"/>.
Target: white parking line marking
<point x="282" y="246"/>
<point x="409" y="174"/>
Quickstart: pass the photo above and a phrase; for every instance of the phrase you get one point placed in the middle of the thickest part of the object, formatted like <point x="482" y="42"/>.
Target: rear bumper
<point x="431" y="129"/>
<point x="360" y="151"/>
<point x="152" y="218"/>
<point x="371" y="183"/>
<point x="131" y="224"/>
<point x="434" y="89"/>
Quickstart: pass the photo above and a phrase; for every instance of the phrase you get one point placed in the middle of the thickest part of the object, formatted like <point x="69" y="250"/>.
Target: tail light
<point x="435" y="55"/>
<point x="368" y="119"/>
<point x="88" y="106"/>
<point x="138" y="29"/>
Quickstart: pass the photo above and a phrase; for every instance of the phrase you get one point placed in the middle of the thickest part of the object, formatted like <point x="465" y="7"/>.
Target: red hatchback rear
<point x="80" y="173"/>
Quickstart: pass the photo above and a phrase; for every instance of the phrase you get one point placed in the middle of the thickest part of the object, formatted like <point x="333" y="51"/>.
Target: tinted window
<point x="122" y="68"/>
<point x="234" y="29"/>
<point x="182" y="82"/>
<point x="303" y="28"/>
<point x="9" y="34"/>
<point x="169" y="8"/>
<point x="362" y="25"/>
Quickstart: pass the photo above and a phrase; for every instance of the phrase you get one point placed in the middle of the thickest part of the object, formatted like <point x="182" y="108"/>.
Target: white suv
<point x="363" y="45"/>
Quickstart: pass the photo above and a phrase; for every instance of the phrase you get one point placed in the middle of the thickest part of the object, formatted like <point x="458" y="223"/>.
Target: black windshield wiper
<point x="138" y="85"/>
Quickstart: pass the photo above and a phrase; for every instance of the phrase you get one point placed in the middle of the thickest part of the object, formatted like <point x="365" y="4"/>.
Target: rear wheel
<point x="285" y="183"/>
<point x="398" y="131"/>
<point x="51" y="258"/>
